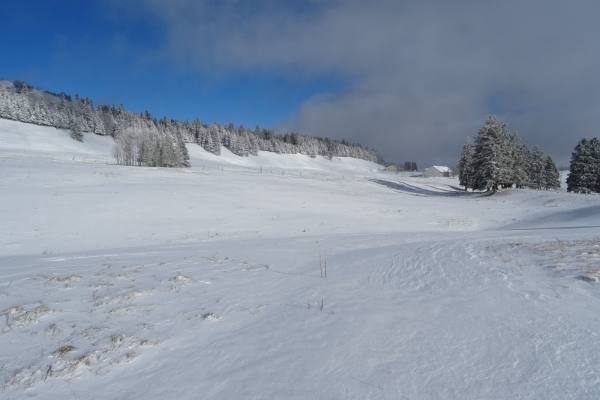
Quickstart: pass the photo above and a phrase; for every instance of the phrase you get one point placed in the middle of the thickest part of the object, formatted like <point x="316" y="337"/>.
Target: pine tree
<point x="214" y="144"/>
<point x="253" y="144"/>
<point x="551" y="174"/>
<point x="595" y="170"/>
<point x="76" y="128"/>
<point x="488" y="157"/>
<point x="520" y="161"/>
<point x="466" y="172"/>
<point x="185" y="156"/>
<point x="6" y="109"/>
<point x="584" y="167"/>
<point x="506" y="157"/>
<point x="24" y="111"/>
<point x="578" y="168"/>
<point x="61" y="117"/>
<point x="537" y="163"/>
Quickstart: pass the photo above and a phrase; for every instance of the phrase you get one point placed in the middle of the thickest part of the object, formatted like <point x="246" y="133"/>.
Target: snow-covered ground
<point x="205" y="282"/>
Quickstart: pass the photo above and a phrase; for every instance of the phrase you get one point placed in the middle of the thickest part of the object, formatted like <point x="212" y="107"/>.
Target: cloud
<point x="423" y="75"/>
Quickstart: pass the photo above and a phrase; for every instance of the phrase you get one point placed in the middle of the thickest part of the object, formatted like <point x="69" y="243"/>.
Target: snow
<point x="205" y="282"/>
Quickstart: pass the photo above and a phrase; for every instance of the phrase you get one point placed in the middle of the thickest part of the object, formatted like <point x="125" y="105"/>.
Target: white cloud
<point x="422" y="73"/>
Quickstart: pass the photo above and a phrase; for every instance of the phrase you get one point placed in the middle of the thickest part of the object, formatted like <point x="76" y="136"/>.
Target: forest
<point x="141" y="139"/>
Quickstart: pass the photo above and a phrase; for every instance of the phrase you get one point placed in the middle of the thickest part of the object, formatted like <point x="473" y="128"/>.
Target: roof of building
<point x="442" y="169"/>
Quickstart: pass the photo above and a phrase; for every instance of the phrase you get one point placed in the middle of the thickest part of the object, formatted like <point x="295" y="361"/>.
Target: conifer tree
<point x="584" y="167"/>
<point x="24" y="111"/>
<point x="185" y="156"/>
<point x="76" y="128"/>
<point x="551" y="174"/>
<point x="466" y="172"/>
<point x="6" y="107"/>
<point x="537" y="164"/>
<point x="213" y="140"/>
<point x="520" y="162"/>
<point x="595" y="170"/>
<point x="488" y="156"/>
<point x="506" y="157"/>
<point x="196" y="130"/>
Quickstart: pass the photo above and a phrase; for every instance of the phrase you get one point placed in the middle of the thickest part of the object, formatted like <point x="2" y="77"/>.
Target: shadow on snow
<point x="413" y="190"/>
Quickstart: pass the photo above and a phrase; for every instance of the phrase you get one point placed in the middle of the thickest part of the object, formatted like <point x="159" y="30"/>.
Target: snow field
<point x="124" y="282"/>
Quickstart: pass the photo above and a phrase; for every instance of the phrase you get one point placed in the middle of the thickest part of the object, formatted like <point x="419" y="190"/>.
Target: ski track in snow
<point x="121" y="282"/>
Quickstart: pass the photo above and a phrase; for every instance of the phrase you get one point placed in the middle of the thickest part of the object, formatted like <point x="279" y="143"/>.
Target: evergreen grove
<point x="498" y="158"/>
<point x="143" y="140"/>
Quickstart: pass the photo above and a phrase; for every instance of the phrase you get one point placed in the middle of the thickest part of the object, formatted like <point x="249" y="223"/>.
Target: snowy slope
<point x="124" y="282"/>
<point x="26" y="140"/>
<point x="21" y="139"/>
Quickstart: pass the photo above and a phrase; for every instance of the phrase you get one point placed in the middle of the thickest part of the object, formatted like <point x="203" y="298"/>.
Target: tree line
<point x="498" y="158"/>
<point x="410" y="166"/>
<point x="141" y="139"/>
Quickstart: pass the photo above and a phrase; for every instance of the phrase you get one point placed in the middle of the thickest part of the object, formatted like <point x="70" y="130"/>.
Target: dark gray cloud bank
<point x="422" y="75"/>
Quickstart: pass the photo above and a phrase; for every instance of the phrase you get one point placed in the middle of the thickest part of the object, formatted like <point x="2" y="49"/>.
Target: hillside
<point x="23" y="103"/>
<point x="206" y="282"/>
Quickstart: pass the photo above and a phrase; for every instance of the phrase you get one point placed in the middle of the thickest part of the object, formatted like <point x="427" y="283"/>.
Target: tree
<point x="410" y="166"/>
<point x="61" y="118"/>
<point x="466" y="171"/>
<point x="551" y="174"/>
<point x="584" y="167"/>
<point x="185" y="156"/>
<point x="76" y="128"/>
<point x="506" y="157"/>
<point x="197" y="131"/>
<point x="488" y="159"/>
<point x="520" y="161"/>
<point x="595" y="169"/>
<point x="537" y="168"/>
<point x="7" y="105"/>
<point x="213" y="140"/>
<point x="24" y="111"/>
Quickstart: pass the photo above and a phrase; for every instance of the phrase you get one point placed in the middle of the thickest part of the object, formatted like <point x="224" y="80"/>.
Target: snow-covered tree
<point x="213" y="140"/>
<point x="76" y="127"/>
<point x="183" y="158"/>
<point x="489" y="162"/>
<point x="24" y="111"/>
<point x="520" y="161"/>
<point x="537" y="167"/>
<point x="585" y="167"/>
<point x="551" y="174"/>
<point x="7" y="105"/>
<point x="466" y="170"/>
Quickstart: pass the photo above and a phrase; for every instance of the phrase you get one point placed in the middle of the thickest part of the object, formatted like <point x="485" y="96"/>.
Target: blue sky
<point x="108" y="53"/>
<point x="410" y="79"/>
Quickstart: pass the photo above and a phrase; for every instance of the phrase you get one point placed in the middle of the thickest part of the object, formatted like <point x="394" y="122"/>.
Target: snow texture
<point x="206" y="282"/>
